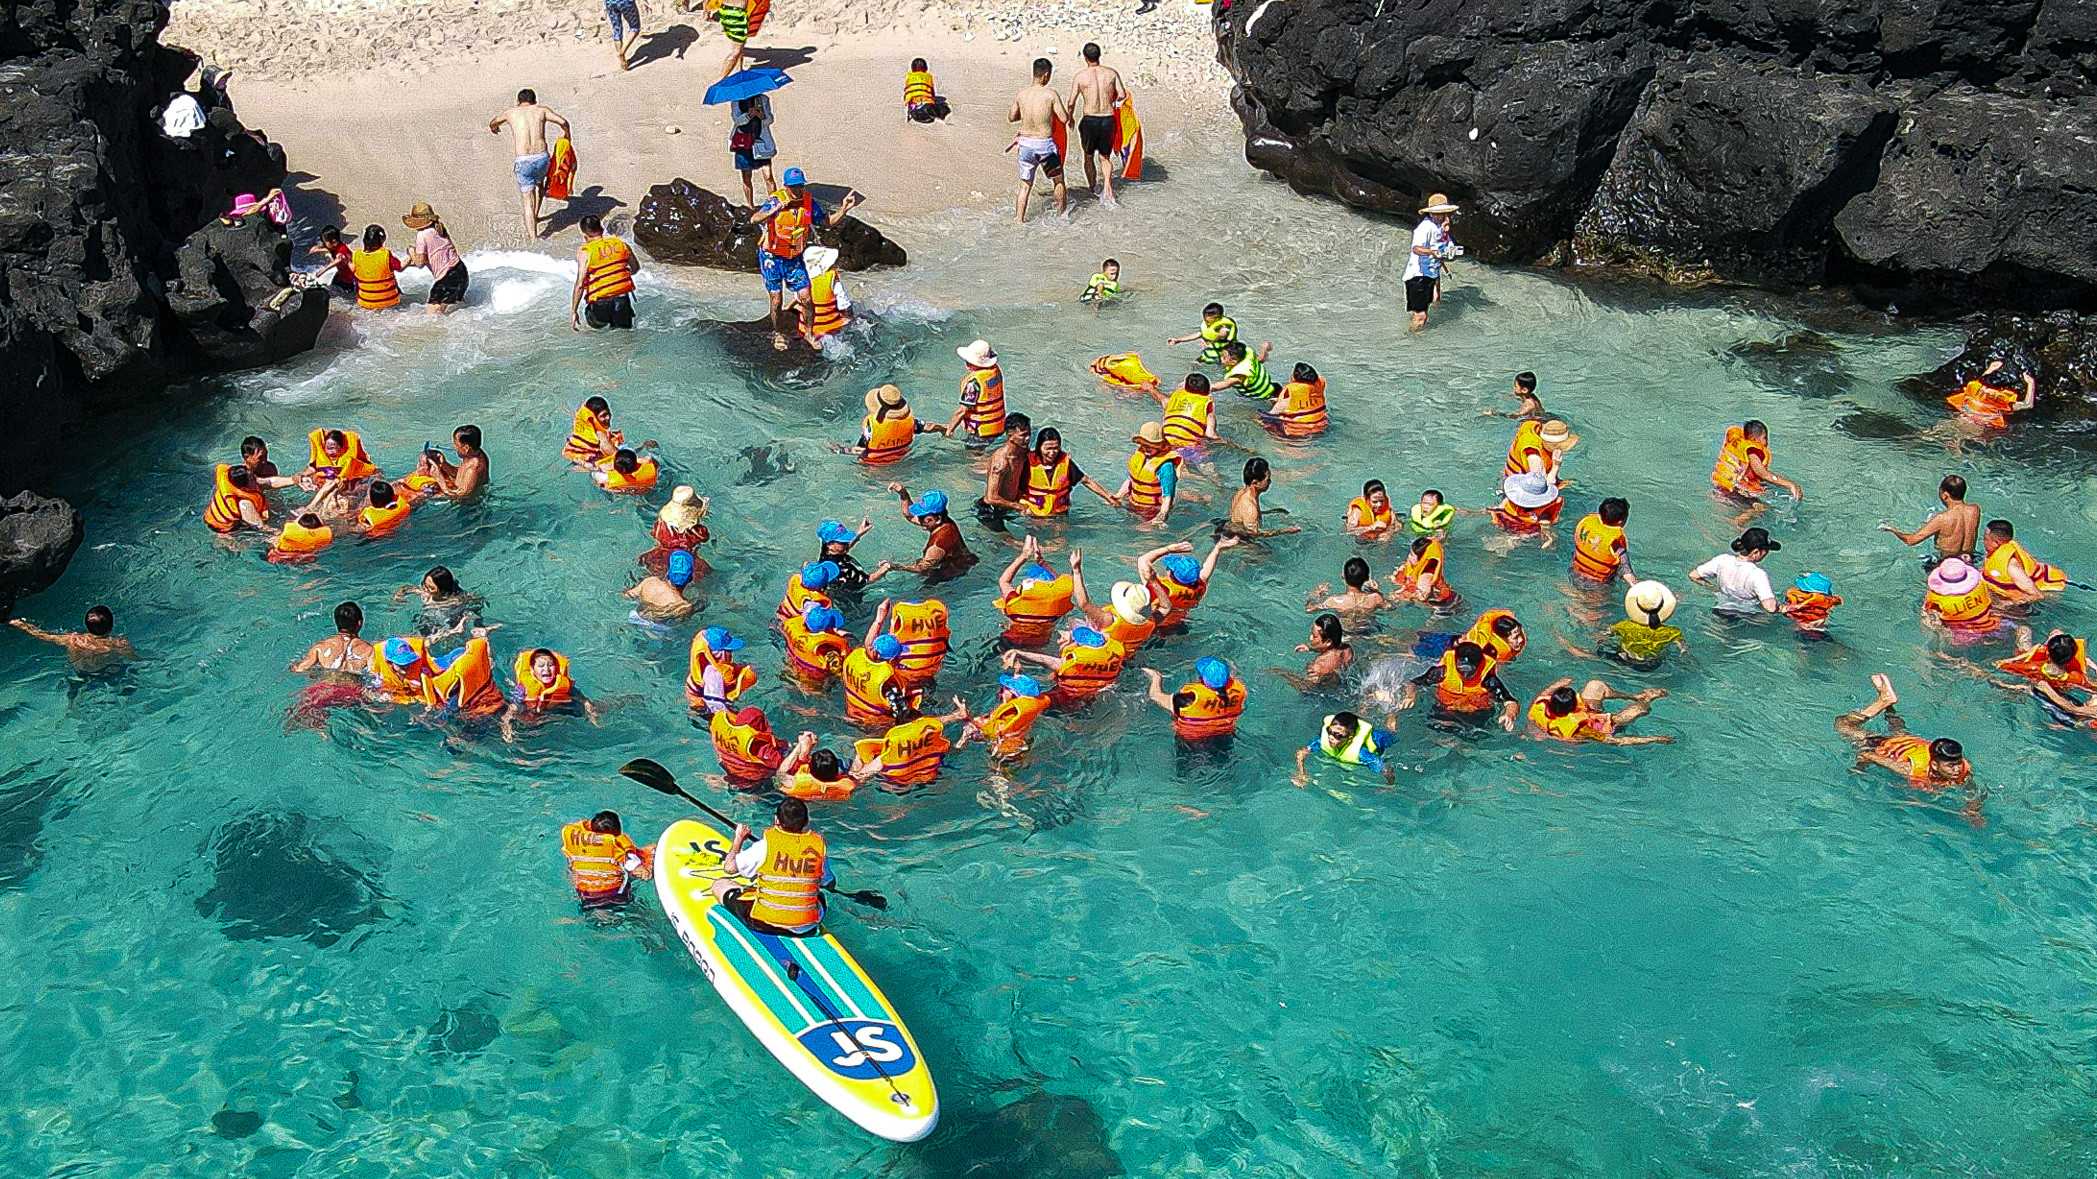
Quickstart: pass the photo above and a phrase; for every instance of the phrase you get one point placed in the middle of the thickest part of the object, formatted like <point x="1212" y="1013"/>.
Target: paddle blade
<point x="652" y="775"/>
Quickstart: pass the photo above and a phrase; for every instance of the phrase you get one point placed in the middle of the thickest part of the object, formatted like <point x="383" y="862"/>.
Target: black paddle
<point x="652" y="775"/>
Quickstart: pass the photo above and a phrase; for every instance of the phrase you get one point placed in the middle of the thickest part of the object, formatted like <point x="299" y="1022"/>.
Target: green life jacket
<point x="1424" y="521"/>
<point x="1216" y="335"/>
<point x="1252" y="377"/>
<point x="1100" y="289"/>
<point x="1351" y="753"/>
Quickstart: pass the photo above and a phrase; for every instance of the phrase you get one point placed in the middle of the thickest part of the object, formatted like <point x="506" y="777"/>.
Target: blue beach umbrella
<point x="745" y="84"/>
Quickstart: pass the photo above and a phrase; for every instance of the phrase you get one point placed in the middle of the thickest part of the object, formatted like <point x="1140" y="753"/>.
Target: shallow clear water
<point x="1727" y="956"/>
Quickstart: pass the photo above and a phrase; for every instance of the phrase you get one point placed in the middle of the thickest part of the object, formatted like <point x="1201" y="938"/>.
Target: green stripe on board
<point x="763" y="976"/>
<point x="831" y="958"/>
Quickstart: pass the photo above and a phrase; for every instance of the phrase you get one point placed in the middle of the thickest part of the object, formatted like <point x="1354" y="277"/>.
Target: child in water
<point x="1217" y="329"/>
<point x="1642" y="641"/>
<point x="1105" y="286"/>
<point x="1808" y="602"/>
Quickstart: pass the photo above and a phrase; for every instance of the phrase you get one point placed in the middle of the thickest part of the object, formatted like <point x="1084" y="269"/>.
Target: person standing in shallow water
<point x="1037" y="110"/>
<point x="1095" y="95"/>
<point x="1423" y="266"/>
<point x="434" y="252"/>
<point x="604" y="270"/>
<point x="1956" y="528"/>
<point x="527" y="122"/>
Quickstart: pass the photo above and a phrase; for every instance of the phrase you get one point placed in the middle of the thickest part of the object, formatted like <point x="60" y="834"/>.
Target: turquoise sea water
<point x="1728" y="956"/>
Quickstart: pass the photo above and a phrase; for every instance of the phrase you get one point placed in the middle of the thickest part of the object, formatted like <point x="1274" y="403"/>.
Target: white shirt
<point x="182" y="116"/>
<point x="1743" y="585"/>
<point x="1426" y="236"/>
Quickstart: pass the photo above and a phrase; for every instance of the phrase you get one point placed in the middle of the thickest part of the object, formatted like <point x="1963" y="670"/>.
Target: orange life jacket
<point x="822" y="295"/>
<point x="645" y="473"/>
<point x="1498" y="649"/>
<point x="607" y="268"/>
<point x="1007" y="726"/>
<point x="2035" y="666"/>
<point x="911" y="753"/>
<point x="1146" y="486"/>
<point x="1597" y="548"/>
<point x="222" y="514"/>
<point x="813" y="655"/>
<point x="917" y="87"/>
<point x="1087" y="671"/>
<point x="1972" y="612"/>
<point x="373" y="272"/>
<point x="588" y="438"/>
<point x="1187" y="415"/>
<point x="380" y="521"/>
<point x="802" y="784"/>
<point x="986" y="418"/>
<point x="596" y="861"/>
<point x="798" y="599"/>
<point x="1913" y="750"/>
<point x="1361" y="515"/>
<point x="748" y="753"/>
<point x="786" y="234"/>
<point x="1178" y="600"/>
<point x="468" y="684"/>
<point x="1731" y="473"/>
<point x="866" y="688"/>
<point x="1512" y="518"/>
<point x="789" y="882"/>
<point x="1301" y="411"/>
<point x="1048" y="487"/>
<point x="887" y="439"/>
<point x="735" y="677"/>
<point x="1454" y="693"/>
<point x="1033" y="608"/>
<point x="1528" y="442"/>
<point x="537" y="693"/>
<point x="299" y="542"/>
<point x="1130" y="635"/>
<point x="560" y="170"/>
<point x="353" y="465"/>
<point x="1429" y="562"/>
<point x="1984" y="405"/>
<point x="1995" y="570"/>
<point x="922" y="629"/>
<point x="1583" y="723"/>
<point x="1211" y="713"/>
<point x="1808" y="609"/>
<point x="404" y="684"/>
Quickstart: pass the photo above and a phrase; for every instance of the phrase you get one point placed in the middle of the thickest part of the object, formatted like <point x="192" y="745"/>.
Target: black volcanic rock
<point x="2059" y="351"/>
<point x="37" y="538"/>
<point x="230" y="298"/>
<point x="682" y="223"/>
<point x="1933" y="156"/>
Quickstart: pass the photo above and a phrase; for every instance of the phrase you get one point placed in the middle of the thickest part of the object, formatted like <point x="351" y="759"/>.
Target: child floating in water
<point x="1216" y="330"/>
<point x="1808" y="602"/>
<point x="921" y="101"/>
<point x="1431" y="516"/>
<point x="1105" y="286"/>
<point x="1641" y="641"/>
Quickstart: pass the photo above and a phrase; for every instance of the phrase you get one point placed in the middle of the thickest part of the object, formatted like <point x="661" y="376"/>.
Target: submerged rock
<point x="1935" y="157"/>
<point x="683" y="223"/>
<point x="1040" y="1136"/>
<point x="26" y="807"/>
<point x="235" y="1123"/>
<point x="37" y="540"/>
<point x="462" y="1031"/>
<point x="270" y="880"/>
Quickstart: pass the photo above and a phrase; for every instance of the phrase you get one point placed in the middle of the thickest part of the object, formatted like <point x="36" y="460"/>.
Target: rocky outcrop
<point x="37" y="538"/>
<point x="1932" y="156"/>
<point x="2058" y="350"/>
<point x="683" y="223"/>
<point x="108" y="289"/>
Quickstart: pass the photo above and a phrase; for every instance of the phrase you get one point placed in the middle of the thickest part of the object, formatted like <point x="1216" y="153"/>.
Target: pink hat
<point x="1953" y="576"/>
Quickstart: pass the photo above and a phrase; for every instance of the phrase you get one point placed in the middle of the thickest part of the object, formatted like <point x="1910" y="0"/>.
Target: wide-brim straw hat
<point x="1953" y="576"/>
<point x="1529" y="490"/>
<point x="1438" y="202"/>
<point x="819" y="259"/>
<point x="978" y="354"/>
<point x="1152" y="434"/>
<point x="881" y="396"/>
<point x="1649" y="599"/>
<point x="420" y="217"/>
<point x="685" y="509"/>
<point x="1559" y="435"/>
<point x="1131" y="602"/>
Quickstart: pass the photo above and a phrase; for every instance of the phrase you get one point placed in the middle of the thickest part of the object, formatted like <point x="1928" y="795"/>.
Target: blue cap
<point x="1213" y="672"/>
<point x="793" y="176"/>
<point x="1022" y="685"/>
<point x="819" y="618"/>
<point x="1085" y="636"/>
<point x="680" y="570"/>
<point x="1815" y="583"/>
<point x="817" y="574"/>
<point x="886" y="647"/>
<point x="1037" y="573"/>
<point x="928" y="503"/>
<point x="834" y="532"/>
<point x="718" y="639"/>
<point x="1183" y="568"/>
<point x="397" y="651"/>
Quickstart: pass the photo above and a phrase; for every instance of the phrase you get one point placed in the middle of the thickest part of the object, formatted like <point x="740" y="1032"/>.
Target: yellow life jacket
<point x="1033" y="608"/>
<point x="866" y="688"/>
<point x="1301" y="411"/>
<point x="588" y="438"/>
<point x="1995" y="570"/>
<point x="2035" y="666"/>
<point x="645" y="474"/>
<point x="1085" y="672"/>
<point x="1984" y="405"/>
<point x="1357" y="745"/>
<point x="1430" y="562"/>
<point x="222" y="514"/>
<point x="1210" y="713"/>
<point x="380" y="521"/>
<point x="1130" y="635"/>
<point x="1361" y="515"/>
<point x="789" y="882"/>
<point x="298" y="541"/>
<point x="911" y="753"/>
<point x="1146" y="487"/>
<point x="1581" y="723"/>
<point x="1972" y="611"/>
<point x="373" y="272"/>
<point x="1731" y="473"/>
<point x="798" y="599"/>
<point x="1498" y="649"/>
<point x="404" y="684"/>
<point x="786" y="234"/>
<point x="813" y="655"/>
<point x="596" y="861"/>
<point x="887" y="439"/>
<point x="537" y="693"/>
<point x="1048" y="487"/>
<point x="986" y="418"/>
<point x="735" y="677"/>
<point x="748" y="752"/>
<point x="803" y="784"/>
<point x="922" y="629"/>
<point x="1915" y="752"/>
<point x="1454" y="693"/>
<point x="1187" y="416"/>
<point x="1528" y="442"/>
<point x="1008" y="724"/>
<point x="607" y="268"/>
<point x="1123" y="370"/>
<point x="822" y="294"/>
<point x="1595" y="546"/>
<point x="352" y="466"/>
<point x="1425" y="520"/>
<point x="917" y="87"/>
<point x="1179" y="600"/>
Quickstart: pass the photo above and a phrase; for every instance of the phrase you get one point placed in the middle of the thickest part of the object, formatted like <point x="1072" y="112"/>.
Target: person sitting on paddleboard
<point x="775" y="882"/>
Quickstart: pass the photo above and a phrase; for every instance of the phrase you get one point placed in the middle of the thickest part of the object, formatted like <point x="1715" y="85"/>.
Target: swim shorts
<point x="1419" y="295"/>
<point x="623" y="12"/>
<point x="531" y="171"/>
<point x="615" y="312"/>
<point x="1096" y="133"/>
<point x="451" y="288"/>
<point x="1039" y="153"/>
<point x="993" y="517"/>
<point x="782" y="273"/>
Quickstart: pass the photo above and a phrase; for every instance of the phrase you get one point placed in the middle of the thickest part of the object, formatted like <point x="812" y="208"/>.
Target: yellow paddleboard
<point x="804" y="998"/>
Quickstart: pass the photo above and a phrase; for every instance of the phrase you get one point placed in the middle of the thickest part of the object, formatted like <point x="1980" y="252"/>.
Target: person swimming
<point x="661" y="597"/>
<point x="1369" y="515"/>
<point x="447" y="609"/>
<point x="1560" y="714"/>
<point x="1466" y="685"/>
<point x="1349" y="740"/>
<point x="1330" y="653"/>
<point x="1355" y="604"/>
<point x="1216" y="330"/>
<point x="1247" y="512"/>
<point x="343" y="653"/>
<point x="1430" y="516"/>
<point x="1928" y="767"/>
<point x="1105" y="286"/>
<point x="1642" y="640"/>
<point x="1808" y="603"/>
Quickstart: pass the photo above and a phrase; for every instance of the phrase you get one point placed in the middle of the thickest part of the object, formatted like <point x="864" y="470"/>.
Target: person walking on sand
<point x="750" y="142"/>
<point x="604" y="270"/>
<point x="626" y="13"/>
<point x="527" y="122"/>
<point x="1095" y="95"/>
<point x="435" y="252"/>
<point x="1037" y="110"/>
<point x="1423" y="266"/>
<point x="788" y="217"/>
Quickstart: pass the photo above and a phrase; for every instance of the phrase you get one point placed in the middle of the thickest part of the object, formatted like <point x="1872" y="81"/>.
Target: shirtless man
<point x="99" y="648"/>
<point x="342" y="651"/>
<point x="1006" y="479"/>
<point x="1355" y="604"/>
<point x="1094" y="95"/>
<point x="527" y="122"/>
<point x="661" y="596"/>
<point x="1037" y="110"/>
<point x="1956" y="529"/>
<point x="1244" y="520"/>
<point x="465" y="480"/>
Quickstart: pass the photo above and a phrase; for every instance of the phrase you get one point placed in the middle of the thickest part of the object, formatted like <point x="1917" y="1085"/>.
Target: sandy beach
<point x="367" y="143"/>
